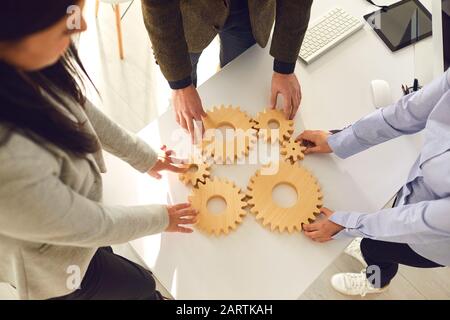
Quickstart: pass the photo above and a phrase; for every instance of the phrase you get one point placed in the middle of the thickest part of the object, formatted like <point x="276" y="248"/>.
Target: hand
<point x="165" y="162"/>
<point x="179" y="215"/>
<point x="288" y="86"/>
<point x="315" y="141"/>
<point x="188" y="107"/>
<point x="322" y="230"/>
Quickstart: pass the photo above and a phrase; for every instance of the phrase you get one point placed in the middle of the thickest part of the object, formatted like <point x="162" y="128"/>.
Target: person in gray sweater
<point x="53" y="224"/>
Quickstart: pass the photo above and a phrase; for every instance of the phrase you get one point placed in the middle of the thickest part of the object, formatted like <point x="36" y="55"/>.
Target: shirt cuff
<point x="283" y="67"/>
<point x="347" y="220"/>
<point x="345" y="143"/>
<point x="180" y="84"/>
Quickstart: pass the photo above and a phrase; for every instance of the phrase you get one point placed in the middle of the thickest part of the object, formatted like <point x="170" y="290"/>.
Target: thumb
<point x="155" y="175"/>
<point x="312" y="150"/>
<point x="173" y="168"/>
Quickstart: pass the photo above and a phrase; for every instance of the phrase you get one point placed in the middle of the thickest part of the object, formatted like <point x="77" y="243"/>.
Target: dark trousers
<point x="388" y="255"/>
<point x="112" y="277"/>
<point x="235" y="37"/>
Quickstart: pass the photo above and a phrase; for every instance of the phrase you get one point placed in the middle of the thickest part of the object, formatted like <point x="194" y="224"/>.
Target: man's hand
<point x="288" y="86"/>
<point x="180" y="215"/>
<point x="322" y="230"/>
<point x="315" y="141"/>
<point x="188" y="107"/>
<point x="165" y="163"/>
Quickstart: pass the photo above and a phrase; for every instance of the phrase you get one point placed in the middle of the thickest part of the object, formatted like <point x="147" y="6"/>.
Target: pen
<point x="416" y="85"/>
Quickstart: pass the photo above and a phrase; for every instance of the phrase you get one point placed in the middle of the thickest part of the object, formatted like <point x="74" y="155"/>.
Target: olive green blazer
<point x="177" y="27"/>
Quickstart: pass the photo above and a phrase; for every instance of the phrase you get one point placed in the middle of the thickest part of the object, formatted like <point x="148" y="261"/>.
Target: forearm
<point x="419" y="223"/>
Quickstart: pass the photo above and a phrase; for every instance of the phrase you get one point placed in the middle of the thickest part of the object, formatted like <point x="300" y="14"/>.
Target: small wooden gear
<point x="292" y="151"/>
<point x="227" y="150"/>
<point x="225" y="221"/>
<point x="198" y="173"/>
<point x="292" y="218"/>
<point x="268" y="116"/>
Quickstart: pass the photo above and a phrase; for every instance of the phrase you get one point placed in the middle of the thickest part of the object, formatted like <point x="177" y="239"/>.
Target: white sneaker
<point x="353" y="284"/>
<point x="354" y="250"/>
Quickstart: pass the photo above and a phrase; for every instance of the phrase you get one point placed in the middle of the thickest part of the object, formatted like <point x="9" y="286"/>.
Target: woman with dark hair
<point x="54" y="231"/>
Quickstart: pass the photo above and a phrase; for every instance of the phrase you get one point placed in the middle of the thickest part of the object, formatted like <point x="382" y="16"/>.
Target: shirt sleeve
<point x="120" y="142"/>
<point x="420" y="223"/>
<point x="37" y="206"/>
<point x="408" y="116"/>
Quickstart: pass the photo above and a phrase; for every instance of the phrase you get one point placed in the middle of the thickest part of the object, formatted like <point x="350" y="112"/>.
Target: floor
<point x="133" y="92"/>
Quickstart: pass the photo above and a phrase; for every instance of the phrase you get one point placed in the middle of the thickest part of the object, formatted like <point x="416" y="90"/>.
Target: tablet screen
<point x="401" y="24"/>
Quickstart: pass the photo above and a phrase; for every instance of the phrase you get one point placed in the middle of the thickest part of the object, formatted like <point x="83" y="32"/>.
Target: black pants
<point x="235" y="37"/>
<point x="112" y="277"/>
<point x="387" y="256"/>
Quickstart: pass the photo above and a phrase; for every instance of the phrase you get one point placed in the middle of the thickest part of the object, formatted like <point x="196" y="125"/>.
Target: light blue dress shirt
<point x="421" y="217"/>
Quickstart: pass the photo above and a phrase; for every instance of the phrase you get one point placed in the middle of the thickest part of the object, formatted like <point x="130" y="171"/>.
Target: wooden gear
<point x="229" y="149"/>
<point x="222" y="222"/>
<point x="263" y="120"/>
<point x="292" y="218"/>
<point x="194" y="177"/>
<point x="292" y="151"/>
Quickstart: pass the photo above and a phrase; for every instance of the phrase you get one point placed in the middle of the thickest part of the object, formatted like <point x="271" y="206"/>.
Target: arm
<point x="291" y="22"/>
<point x="408" y="116"/>
<point x="419" y="223"/>
<point x="36" y="206"/>
<point x="164" y="24"/>
<point x="119" y="142"/>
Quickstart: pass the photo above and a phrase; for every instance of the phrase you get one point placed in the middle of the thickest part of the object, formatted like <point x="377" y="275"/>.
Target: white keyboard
<point x="330" y="30"/>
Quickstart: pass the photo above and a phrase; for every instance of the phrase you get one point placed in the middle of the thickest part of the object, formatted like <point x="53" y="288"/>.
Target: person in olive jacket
<point x="181" y="29"/>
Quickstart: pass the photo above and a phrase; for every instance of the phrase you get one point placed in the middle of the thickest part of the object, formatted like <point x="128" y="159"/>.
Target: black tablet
<point x="401" y="24"/>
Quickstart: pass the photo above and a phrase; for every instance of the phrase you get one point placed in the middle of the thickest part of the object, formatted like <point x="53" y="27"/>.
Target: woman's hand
<point x="315" y="141"/>
<point x="166" y="163"/>
<point x="181" y="215"/>
<point x="322" y="230"/>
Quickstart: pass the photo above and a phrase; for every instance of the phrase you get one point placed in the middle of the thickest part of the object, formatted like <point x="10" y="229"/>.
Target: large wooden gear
<point x="197" y="172"/>
<point x="307" y="206"/>
<point x="229" y="149"/>
<point x="292" y="151"/>
<point x="225" y="221"/>
<point x="268" y="116"/>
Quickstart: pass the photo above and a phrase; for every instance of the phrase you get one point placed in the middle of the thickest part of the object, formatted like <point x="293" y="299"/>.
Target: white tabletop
<point x="252" y="262"/>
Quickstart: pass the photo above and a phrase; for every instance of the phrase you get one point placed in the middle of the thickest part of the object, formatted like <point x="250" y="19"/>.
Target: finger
<point x="173" y="168"/>
<point x="287" y="106"/>
<point x="177" y="118"/>
<point x="155" y="175"/>
<point x="292" y="114"/>
<point x="187" y="212"/>
<point x="183" y="123"/>
<point x="273" y="99"/>
<point x="183" y="230"/>
<point x="190" y="125"/>
<point x="311" y="150"/>
<point x="310" y="227"/>
<point x="296" y="105"/>
<point x="181" y="206"/>
<point x="326" y="211"/>
<point x="312" y="235"/>
<point x="307" y="135"/>
<point x="187" y="221"/>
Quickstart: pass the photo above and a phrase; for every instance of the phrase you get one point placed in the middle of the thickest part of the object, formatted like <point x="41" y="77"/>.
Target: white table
<point x="254" y="263"/>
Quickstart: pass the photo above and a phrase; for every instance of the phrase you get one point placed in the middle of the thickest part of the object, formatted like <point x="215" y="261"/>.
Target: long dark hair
<point x="24" y="96"/>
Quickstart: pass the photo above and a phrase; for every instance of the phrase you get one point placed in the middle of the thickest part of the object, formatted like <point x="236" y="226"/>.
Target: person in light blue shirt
<point x="416" y="231"/>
